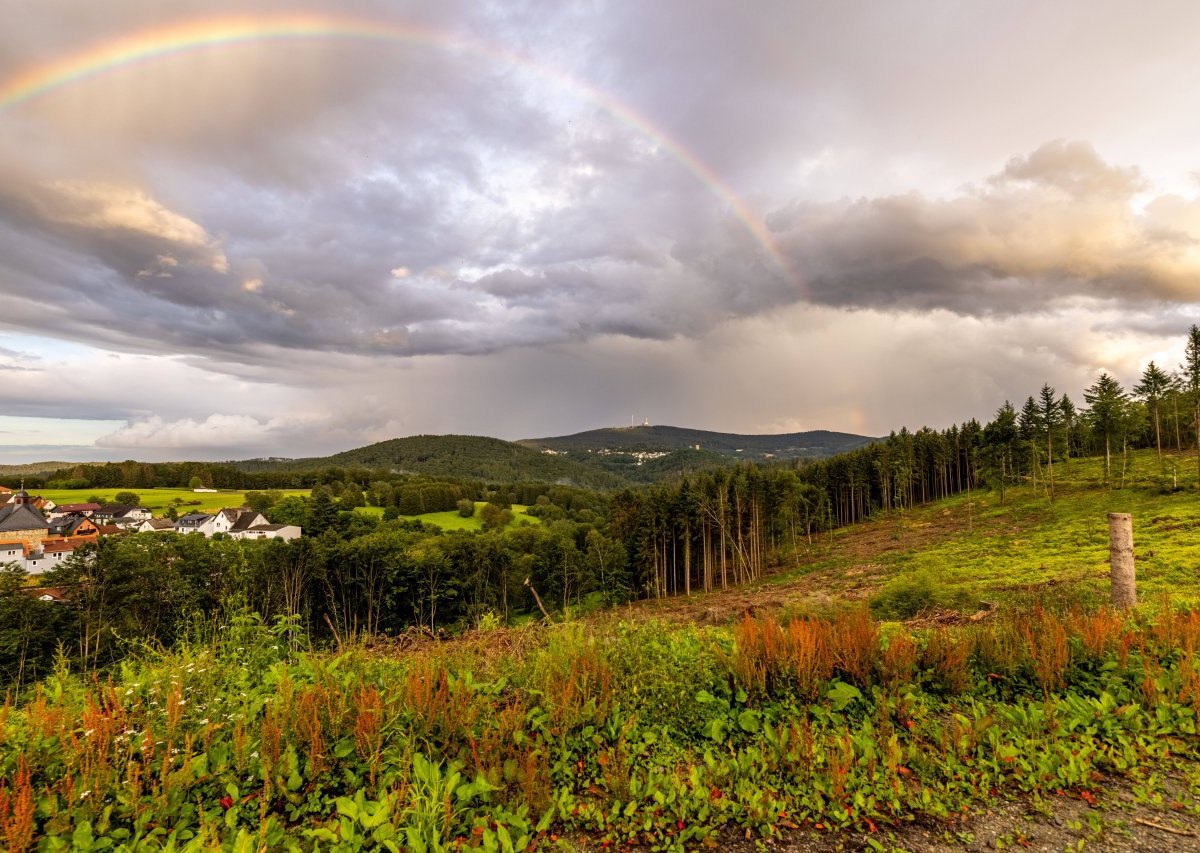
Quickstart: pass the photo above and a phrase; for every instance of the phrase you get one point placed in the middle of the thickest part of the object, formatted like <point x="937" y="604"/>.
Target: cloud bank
<point x="293" y="245"/>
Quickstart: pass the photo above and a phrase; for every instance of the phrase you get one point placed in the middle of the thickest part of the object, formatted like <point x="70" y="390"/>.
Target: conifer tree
<point x="1069" y="417"/>
<point x="1153" y="387"/>
<point x="1190" y="370"/>
<point x="1051" y="416"/>
<point x="1106" y="401"/>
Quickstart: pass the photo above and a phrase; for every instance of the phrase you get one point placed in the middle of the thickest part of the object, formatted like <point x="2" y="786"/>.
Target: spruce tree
<point x="1190" y="370"/>
<point x="1153" y="387"/>
<point x="1106" y="400"/>
<point x="1051" y="416"/>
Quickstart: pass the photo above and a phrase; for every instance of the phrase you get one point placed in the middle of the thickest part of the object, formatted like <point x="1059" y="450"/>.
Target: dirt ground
<point x="1115" y="821"/>
<point x="858" y="574"/>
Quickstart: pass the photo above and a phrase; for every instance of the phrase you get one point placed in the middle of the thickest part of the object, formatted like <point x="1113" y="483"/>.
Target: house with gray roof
<point x="20" y="522"/>
<point x="195" y="522"/>
<point x="270" y="531"/>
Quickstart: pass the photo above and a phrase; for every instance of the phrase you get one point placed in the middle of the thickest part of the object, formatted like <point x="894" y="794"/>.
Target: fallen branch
<point x="336" y="635"/>
<point x="538" y="599"/>
<point x="1169" y="829"/>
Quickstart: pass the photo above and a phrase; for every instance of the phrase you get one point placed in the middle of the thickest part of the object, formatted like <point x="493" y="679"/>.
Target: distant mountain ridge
<point x="31" y="469"/>
<point x="813" y="444"/>
<point x="460" y="456"/>
<point x="596" y="459"/>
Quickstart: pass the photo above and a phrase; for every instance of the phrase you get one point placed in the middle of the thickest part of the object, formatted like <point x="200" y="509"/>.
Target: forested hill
<point x="31" y="469"/>
<point x="461" y="456"/>
<point x="815" y="444"/>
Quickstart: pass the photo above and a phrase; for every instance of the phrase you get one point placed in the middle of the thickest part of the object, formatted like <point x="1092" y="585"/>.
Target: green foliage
<point x="909" y="595"/>
<point x="466" y="508"/>
<point x="495" y="517"/>
<point x="158" y="500"/>
<point x="258" y="741"/>
<point x="460" y="456"/>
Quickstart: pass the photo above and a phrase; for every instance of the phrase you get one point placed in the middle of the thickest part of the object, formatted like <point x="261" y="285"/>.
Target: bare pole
<point x="1120" y="555"/>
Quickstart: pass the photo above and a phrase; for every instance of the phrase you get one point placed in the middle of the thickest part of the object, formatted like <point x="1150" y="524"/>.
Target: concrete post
<point x="1120" y="556"/>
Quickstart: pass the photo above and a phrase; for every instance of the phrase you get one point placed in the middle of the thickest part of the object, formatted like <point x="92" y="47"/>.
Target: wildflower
<point x="227" y="802"/>
<point x="85" y="794"/>
<point x="204" y="722"/>
<point x="88" y="733"/>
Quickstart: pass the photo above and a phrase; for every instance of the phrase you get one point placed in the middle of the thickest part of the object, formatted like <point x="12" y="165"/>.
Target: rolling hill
<point x="30" y="469"/>
<point x="461" y="456"/>
<point x="815" y="444"/>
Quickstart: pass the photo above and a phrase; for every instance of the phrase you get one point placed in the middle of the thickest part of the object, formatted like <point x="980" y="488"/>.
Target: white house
<point x="112" y="513"/>
<point x="271" y="531"/>
<point x="231" y="521"/>
<point x="236" y="520"/>
<point x="156" y="525"/>
<point x="195" y="522"/>
<point x="12" y="552"/>
<point x="38" y="560"/>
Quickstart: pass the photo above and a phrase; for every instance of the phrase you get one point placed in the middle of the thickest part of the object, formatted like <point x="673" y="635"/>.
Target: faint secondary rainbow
<point x="151" y="44"/>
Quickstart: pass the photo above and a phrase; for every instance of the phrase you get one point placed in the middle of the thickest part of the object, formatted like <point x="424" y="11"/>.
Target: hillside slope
<point x="31" y="469"/>
<point x="461" y="456"/>
<point x="956" y="552"/>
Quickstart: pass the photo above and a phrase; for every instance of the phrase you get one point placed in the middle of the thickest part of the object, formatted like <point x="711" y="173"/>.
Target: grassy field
<point x="157" y="500"/>
<point x="967" y="549"/>
<point x="979" y="548"/>
<point x="1050" y="723"/>
<point x="453" y="521"/>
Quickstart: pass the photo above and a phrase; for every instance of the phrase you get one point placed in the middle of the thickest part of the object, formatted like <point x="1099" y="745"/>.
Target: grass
<point x="157" y="500"/>
<point x="836" y="731"/>
<point x="976" y="548"/>
<point x="453" y="521"/>
<point x="608" y="735"/>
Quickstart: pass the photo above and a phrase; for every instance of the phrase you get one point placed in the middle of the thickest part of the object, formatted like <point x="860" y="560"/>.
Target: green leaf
<point x="748" y="721"/>
<point x="347" y="808"/>
<point x="81" y="838"/>
<point x="704" y="697"/>
<point x="842" y="694"/>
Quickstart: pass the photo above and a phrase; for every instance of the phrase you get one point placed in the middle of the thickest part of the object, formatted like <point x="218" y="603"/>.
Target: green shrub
<point x="909" y="595"/>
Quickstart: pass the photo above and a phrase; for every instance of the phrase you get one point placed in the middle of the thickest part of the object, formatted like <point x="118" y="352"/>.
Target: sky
<point x="244" y="229"/>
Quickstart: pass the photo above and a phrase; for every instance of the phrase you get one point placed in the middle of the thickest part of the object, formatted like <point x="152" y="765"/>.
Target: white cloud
<point x="188" y="433"/>
<point x="102" y="206"/>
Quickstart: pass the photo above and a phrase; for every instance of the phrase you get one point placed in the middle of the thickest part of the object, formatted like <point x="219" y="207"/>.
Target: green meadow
<point x="1024" y="549"/>
<point x="157" y="500"/>
<point x="453" y="521"/>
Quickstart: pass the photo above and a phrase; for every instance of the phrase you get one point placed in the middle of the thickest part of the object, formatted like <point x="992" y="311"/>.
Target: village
<point x="36" y="534"/>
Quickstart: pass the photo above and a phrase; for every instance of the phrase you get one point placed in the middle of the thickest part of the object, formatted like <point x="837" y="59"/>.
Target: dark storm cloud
<point x="296" y="214"/>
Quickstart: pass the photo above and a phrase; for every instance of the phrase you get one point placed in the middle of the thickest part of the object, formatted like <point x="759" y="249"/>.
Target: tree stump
<point x="1120" y="557"/>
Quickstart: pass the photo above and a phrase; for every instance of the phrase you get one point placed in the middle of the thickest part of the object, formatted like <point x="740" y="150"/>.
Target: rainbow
<point x="151" y="44"/>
